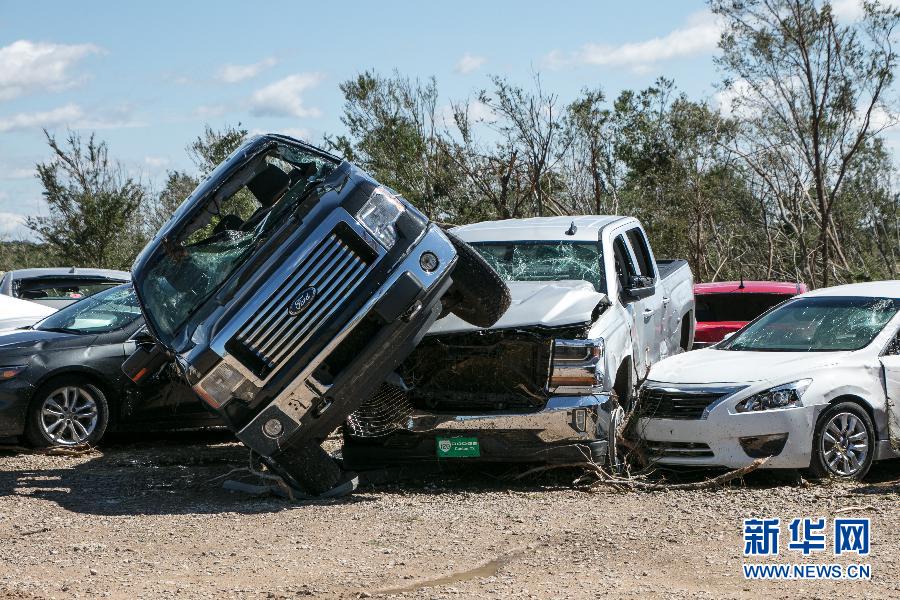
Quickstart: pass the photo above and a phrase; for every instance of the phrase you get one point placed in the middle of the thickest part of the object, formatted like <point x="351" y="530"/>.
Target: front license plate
<point x="458" y="447"/>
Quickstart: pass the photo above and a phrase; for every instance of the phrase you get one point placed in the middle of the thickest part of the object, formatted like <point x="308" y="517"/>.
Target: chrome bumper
<point x="564" y="419"/>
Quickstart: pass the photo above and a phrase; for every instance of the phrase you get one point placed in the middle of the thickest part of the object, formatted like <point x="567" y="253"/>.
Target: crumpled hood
<point x="546" y="303"/>
<point x="725" y="366"/>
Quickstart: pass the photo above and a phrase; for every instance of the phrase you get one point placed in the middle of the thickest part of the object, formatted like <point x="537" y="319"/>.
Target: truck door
<point x="890" y="362"/>
<point x="649" y="312"/>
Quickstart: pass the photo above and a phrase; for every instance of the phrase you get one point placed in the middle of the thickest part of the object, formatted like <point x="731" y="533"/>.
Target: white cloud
<point x="12" y="226"/>
<point x="72" y="116"/>
<point x="852" y="10"/>
<point x="699" y="35"/>
<point x="238" y="73"/>
<point x="284" y="98"/>
<point x="27" y="66"/>
<point x="64" y="115"/>
<point x="156" y="162"/>
<point x="207" y="111"/>
<point x="469" y="63"/>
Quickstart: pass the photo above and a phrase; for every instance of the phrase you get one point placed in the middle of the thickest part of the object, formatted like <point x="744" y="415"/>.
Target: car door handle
<point x="665" y="299"/>
<point x="648" y="312"/>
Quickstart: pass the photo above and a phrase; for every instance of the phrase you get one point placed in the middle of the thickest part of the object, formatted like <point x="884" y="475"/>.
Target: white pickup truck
<point x="591" y="310"/>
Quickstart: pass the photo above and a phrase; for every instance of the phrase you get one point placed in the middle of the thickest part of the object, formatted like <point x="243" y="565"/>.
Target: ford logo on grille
<point x="303" y="301"/>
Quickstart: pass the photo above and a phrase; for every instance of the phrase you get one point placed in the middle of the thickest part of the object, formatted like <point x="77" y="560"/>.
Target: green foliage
<point x="92" y="206"/>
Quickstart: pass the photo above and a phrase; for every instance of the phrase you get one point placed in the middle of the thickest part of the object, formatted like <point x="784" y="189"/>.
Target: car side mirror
<point x="145" y="362"/>
<point x="639" y="287"/>
<point x="142" y="337"/>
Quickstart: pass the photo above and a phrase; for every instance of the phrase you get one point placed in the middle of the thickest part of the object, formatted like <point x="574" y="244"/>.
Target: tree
<point x="213" y="147"/>
<point x="206" y="151"/>
<point x="92" y="206"/>
<point x="812" y="94"/>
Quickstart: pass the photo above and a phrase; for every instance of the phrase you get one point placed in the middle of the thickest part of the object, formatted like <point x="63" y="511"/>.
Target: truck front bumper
<point x="569" y="428"/>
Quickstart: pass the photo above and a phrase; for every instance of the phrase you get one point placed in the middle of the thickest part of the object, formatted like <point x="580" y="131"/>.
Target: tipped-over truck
<point x="592" y="309"/>
<point x="287" y="286"/>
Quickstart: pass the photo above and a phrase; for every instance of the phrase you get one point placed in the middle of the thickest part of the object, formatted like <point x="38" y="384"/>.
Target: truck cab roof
<point x="586" y="228"/>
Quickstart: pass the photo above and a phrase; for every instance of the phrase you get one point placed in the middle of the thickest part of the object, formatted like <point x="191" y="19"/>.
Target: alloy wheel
<point x="69" y="415"/>
<point x="845" y="444"/>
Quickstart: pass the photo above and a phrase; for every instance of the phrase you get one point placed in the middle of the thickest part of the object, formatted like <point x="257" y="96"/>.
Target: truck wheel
<point x="308" y="467"/>
<point x="478" y="295"/>
<point x="843" y="443"/>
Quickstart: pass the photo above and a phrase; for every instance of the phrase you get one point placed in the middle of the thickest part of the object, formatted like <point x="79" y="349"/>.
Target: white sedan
<point x="813" y="383"/>
<point x="15" y="313"/>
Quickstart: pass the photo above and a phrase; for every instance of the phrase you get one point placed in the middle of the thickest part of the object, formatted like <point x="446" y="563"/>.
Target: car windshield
<point x="234" y="219"/>
<point x="103" y="312"/>
<point x="742" y="307"/>
<point x="545" y="261"/>
<point x="816" y="324"/>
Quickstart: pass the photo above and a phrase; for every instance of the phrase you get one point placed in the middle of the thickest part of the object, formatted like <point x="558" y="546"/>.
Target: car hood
<point x="725" y="366"/>
<point x="35" y="340"/>
<point x="543" y="303"/>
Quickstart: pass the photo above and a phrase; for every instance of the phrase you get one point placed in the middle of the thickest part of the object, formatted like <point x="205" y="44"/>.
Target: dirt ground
<point x="143" y="520"/>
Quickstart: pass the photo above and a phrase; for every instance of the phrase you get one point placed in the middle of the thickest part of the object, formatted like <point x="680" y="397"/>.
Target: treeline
<point x="786" y="176"/>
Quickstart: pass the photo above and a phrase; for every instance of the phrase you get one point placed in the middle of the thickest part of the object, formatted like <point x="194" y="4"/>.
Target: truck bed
<point x="667" y="266"/>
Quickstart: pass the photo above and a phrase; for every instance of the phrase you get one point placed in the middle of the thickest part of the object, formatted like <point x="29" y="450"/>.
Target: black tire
<point x="40" y="430"/>
<point x="824" y="448"/>
<point x="311" y="468"/>
<point x="478" y="295"/>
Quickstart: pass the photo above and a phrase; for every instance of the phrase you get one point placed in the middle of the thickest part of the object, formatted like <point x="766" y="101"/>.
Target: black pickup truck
<point x="288" y="286"/>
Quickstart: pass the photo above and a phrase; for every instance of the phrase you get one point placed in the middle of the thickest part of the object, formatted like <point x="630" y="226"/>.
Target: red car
<point x="726" y="306"/>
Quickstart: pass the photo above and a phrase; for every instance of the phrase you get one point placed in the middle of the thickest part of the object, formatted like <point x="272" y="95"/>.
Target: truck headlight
<point x="782" y="396"/>
<point x="576" y="367"/>
<point x="379" y="216"/>
<point x="219" y="384"/>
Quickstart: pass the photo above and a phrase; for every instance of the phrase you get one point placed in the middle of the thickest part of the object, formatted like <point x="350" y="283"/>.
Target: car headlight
<point x="379" y="215"/>
<point x="782" y="396"/>
<point x="10" y="372"/>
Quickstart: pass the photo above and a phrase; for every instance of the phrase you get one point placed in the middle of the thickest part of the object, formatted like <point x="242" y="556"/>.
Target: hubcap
<point x="845" y="444"/>
<point x="69" y="415"/>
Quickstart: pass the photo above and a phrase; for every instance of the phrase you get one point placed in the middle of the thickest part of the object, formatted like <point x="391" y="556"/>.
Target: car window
<point x="816" y="324"/>
<point x="545" y="261"/>
<point x="641" y="252"/>
<point x="624" y="267"/>
<point x="893" y="348"/>
<point x="104" y="312"/>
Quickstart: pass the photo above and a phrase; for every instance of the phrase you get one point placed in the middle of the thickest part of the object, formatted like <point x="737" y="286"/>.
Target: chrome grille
<point x="678" y="449"/>
<point x="277" y="332"/>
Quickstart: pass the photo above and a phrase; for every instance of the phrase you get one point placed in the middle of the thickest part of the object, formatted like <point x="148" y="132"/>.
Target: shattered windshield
<point x="236" y="218"/>
<point x="817" y="324"/>
<point x="545" y="261"/>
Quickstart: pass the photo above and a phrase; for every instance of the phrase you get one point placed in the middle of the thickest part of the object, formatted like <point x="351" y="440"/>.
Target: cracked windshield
<point x="237" y="218"/>
<point x="546" y="261"/>
<point x="823" y="324"/>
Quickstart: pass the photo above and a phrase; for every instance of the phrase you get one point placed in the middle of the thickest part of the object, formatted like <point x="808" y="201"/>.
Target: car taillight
<point x="577" y="366"/>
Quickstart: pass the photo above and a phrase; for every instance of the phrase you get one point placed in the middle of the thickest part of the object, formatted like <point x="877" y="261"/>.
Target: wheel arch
<point x="863" y="404"/>
<point x="93" y="376"/>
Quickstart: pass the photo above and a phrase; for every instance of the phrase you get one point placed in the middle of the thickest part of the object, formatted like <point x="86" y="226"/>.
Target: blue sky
<point x="147" y="76"/>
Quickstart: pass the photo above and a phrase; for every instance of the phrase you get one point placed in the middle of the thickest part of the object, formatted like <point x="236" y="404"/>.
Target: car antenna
<point x="572" y="229"/>
<point x="740" y="287"/>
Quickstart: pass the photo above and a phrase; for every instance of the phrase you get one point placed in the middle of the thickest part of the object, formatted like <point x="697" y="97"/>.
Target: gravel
<point x="143" y="520"/>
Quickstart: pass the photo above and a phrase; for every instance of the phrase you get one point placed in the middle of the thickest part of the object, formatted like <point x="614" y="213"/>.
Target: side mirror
<point x="142" y="337"/>
<point x="639" y="287"/>
<point x="146" y="361"/>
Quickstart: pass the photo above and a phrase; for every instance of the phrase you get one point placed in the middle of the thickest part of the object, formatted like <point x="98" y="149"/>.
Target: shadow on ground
<point x="181" y="473"/>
